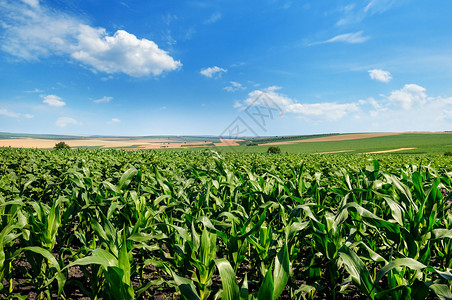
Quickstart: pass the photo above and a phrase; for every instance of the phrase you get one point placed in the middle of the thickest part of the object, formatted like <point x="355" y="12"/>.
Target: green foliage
<point x="61" y="145"/>
<point x="274" y="150"/>
<point x="200" y="225"/>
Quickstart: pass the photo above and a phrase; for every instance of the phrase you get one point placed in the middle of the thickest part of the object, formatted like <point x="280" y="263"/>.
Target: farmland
<point x="114" y="224"/>
<point x="401" y="143"/>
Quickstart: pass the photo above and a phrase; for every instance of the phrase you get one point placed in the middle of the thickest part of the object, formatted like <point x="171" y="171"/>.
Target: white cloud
<point x="121" y="53"/>
<point x="36" y="90"/>
<point x="5" y="112"/>
<point x="213" y="71"/>
<point x="408" y="96"/>
<point x="409" y="108"/>
<point x="356" y="13"/>
<point x="65" y="121"/>
<point x="235" y="86"/>
<point x="32" y="3"/>
<point x="32" y="31"/>
<point x="326" y="111"/>
<point x="238" y="104"/>
<point x="11" y="114"/>
<point x="104" y="99"/>
<point x="378" y="6"/>
<point x="330" y="110"/>
<point x="380" y="75"/>
<point x="349" y="38"/>
<point x="213" y="18"/>
<point x="113" y="121"/>
<point x="53" y="100"/>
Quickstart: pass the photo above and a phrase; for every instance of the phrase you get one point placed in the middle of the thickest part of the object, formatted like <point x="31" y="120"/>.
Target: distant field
<point x="395" y="143"/>
<point x="110" y="142"/>
<point x="416" y="142"/>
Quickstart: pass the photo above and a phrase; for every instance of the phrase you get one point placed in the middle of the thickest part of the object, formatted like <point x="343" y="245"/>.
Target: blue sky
<point x="268" y="67"/>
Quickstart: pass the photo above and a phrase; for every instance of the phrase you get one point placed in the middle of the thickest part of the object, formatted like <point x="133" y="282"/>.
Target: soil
<point x="388" y="151"/>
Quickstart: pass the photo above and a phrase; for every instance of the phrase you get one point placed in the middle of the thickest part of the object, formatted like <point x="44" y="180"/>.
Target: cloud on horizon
<point x="408" y="108"/>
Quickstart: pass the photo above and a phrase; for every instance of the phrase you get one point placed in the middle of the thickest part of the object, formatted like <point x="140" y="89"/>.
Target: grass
<point x="266" y="140"/>
<point x="423" y="143"/>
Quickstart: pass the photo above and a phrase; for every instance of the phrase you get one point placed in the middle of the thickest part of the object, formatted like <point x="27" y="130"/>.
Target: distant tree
<point x="274" y="149"/>
<point x="61" y="145"/>
<point x="448" y="153"/>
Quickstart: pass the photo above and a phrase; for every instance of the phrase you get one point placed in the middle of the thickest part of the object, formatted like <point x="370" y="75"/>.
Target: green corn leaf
<point x="208" y="247"/>
<point x="60" y="277"/>
<point x="266" y="290"/>
<point x="396" y="210"/>
<point x="373" y="219"/>
<point x="442" y="233"/>
<point x="111" y="187"/>
<point x="126" y="178"/>
<point x="228" y="280"/>
<point x="442" y="291"/>
<point x="244" y="292"/>
<point x="123" y="261"/>
<point x="117" y="287"/>
<point x="46" y="254"/>
<point x="401" y="262"/>
<point x="186" y="287"/>
<point x="97" y="257"/>
<point x="357" y="270"/>
<point x="295" y="228"/>
<point x="144" y="288"/>
<point x="281" y="272"/>
<point x="405" y="293"/>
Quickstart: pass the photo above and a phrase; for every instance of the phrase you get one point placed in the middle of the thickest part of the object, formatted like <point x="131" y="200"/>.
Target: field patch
<point x="391" y="150"/>
<point x="339" y="137"/>
<point x="330" y="152"/>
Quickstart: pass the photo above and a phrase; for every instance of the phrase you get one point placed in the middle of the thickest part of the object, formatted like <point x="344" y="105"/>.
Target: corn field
<point x="98" y="224"/>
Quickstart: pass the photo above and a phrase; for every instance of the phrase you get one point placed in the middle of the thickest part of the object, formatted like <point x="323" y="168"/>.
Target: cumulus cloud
<point x="408" y="96"/>
<point x="213" y="18"/>
<point x="327" y="111"/>
<point x="104" y="99"/>
<point x="409" y="108"/>
<point x="32" y="31"/>
<point x="53" y="100"/>
<point x="213" y="71"/>
<point x="121" y="53"/>
<point x="234" y="86"/>
<point x="65" y="121"/>
<point x="349" y="38"/>
<point x="380" y="75"/>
